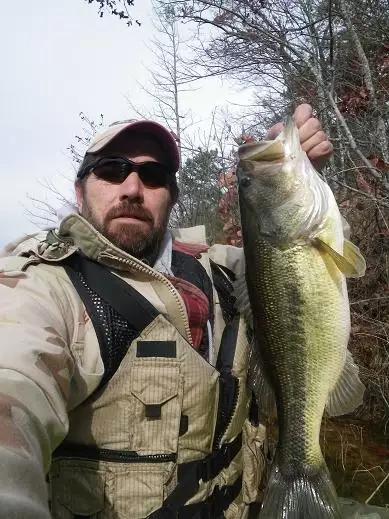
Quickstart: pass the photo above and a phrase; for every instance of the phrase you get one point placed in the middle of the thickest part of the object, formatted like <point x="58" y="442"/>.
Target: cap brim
<point x="159" y="132"/>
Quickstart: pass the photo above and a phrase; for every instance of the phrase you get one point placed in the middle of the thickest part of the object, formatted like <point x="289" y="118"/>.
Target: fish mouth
<point x="267" y="151"/>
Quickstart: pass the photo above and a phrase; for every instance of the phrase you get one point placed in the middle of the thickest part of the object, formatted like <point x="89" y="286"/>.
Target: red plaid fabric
<point x="194" y="249"/>
<point x="196" y="302"/>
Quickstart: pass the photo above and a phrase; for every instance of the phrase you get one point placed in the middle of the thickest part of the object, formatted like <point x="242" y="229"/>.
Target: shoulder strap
<point x="96" y="285"/>
<point x="114" y="291"/>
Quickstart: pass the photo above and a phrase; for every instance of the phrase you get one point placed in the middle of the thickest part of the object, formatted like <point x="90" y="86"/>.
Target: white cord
<point x="211" y="351"/>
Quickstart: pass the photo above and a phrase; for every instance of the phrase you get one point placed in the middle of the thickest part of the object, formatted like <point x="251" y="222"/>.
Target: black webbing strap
<point x="222" y="280"/>
<point x="225" y="358"/>
<point x="190" y="474"/>
<point x="123" y="298"/>
<point x="228" y="383"/>
<point x="127" y="301"/>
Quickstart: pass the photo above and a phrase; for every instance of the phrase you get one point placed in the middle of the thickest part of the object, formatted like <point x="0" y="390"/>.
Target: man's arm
<point x="35" y="372"/>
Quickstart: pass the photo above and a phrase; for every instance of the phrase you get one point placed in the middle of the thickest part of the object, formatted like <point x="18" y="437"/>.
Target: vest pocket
<point x="112" y="491"/>
<point x="156" y="390"/>
<point x="134" y="492"/>
<point x="254" y="461"/>
<point x="76" y="490"/>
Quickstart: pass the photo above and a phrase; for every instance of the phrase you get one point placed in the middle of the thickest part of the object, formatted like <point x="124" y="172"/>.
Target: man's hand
<point x="314" y="140"/>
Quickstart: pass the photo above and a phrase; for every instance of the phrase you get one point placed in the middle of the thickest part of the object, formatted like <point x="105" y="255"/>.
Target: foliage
<point x="164" y="87"/>
<point x="119" y="8"/>
<point x="77" y="150"/>
<point x="200" y="192"/>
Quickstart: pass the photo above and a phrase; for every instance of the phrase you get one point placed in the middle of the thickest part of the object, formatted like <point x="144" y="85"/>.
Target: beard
<point x="142" y="239"/>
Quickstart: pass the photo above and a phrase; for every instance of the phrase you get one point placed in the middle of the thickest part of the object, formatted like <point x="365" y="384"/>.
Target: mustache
<point x="130" y="210"/>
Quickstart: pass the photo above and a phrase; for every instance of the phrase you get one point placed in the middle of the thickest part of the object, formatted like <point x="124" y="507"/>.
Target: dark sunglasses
<point x="117" y="169"/>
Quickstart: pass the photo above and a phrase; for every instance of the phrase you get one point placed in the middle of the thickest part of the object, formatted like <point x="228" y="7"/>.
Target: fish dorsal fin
<point x="347" y="395"/>
<point x="351" y="263"/>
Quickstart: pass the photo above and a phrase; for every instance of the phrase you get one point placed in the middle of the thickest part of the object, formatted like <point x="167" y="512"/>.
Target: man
<point x="123" y="367"/>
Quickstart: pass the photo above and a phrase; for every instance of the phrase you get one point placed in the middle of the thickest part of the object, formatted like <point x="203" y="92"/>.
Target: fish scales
<point x="296" y="263"/>
<point x="287" y="315"/>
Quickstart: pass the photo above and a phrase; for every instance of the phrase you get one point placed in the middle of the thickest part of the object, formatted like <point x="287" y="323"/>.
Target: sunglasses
<point x="116" y="170"/>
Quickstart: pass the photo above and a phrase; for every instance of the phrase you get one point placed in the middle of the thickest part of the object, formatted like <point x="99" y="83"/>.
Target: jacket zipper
<point x="84" y="452"/>
<point x="147" y="270"/>
<point x="226" y="413"/>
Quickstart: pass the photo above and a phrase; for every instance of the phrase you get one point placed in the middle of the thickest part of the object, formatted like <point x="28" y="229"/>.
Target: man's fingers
<point x="320" y="154"/>
<point x="324" y="150"/>
<point x="316" y="139"/>
<point x="313" y="139"/>
<point x="274" y="131"/>
<point x="309" y="129"/>
<point x="302" y="114"/>
<point x="305" y="122"/>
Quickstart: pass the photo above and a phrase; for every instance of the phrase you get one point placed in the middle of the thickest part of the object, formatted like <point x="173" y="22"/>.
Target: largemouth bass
<point x="297" y="259"/>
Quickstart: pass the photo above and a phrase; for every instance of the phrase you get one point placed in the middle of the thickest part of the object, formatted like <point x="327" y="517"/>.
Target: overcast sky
<point x="59" y="58"/>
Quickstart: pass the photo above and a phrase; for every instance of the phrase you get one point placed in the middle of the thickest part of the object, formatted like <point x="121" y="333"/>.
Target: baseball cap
<point x="165" y="137"/>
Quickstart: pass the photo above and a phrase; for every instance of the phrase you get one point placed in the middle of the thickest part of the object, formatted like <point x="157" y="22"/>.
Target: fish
<point x="297" y="259"/>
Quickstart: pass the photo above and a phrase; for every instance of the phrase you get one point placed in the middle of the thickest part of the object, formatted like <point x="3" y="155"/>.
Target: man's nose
<point x="131" y="187"/>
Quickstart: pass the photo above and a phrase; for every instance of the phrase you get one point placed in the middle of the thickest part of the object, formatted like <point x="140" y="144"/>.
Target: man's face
<point x="130" y="214"/>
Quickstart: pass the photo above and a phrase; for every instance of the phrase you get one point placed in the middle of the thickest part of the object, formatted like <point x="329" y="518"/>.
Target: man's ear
<point x="79" y="187"/>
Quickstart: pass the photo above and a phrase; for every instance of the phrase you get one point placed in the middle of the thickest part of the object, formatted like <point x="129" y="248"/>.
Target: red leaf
<point x="363" y="184"/>
<point x="379" y="163"/>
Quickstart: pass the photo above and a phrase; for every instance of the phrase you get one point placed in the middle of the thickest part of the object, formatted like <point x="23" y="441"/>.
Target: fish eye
<point x="245" y="181"/>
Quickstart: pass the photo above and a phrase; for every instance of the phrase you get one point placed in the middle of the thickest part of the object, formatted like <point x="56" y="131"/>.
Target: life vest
<point x="166" y="434"/>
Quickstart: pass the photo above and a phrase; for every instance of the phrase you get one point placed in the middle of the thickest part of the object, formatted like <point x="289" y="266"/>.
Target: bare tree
<point x="166" y="86"/>
<point x="90" y="128"/>
<point x="293" y="51"/>
<point x="48" y="211"/>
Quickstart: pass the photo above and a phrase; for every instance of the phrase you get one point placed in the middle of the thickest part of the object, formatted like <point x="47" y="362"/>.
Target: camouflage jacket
<point x="50" y="358"/>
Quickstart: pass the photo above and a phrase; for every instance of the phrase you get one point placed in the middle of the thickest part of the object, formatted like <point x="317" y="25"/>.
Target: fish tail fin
<point x="300" y="495"/>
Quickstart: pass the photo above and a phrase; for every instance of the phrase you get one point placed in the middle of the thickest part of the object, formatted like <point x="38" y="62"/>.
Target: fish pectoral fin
<point x="347" y="395"/>
<point x="346" y="227"/>
<point x="352" y="253"/>
<point x="351" y="263"/>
